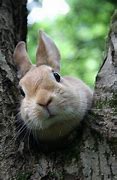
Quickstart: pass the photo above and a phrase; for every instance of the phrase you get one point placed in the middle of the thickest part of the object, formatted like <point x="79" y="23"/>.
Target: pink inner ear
<point x="47" y="52"/>
<point x="21" y="59"/>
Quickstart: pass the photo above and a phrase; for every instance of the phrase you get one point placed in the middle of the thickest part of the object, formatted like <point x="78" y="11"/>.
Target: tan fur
<point x="46" y="53"/>
<point x="21" y="59"/>
<point x="51" y="109"/>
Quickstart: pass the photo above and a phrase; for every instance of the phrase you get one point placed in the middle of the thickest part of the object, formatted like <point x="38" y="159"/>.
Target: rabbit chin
<point x="51" y="128"/>
<point x="45" y="121"/>
<point x="41" y="121"/>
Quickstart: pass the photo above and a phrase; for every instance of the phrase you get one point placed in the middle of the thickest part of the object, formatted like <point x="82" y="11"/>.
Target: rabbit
<point x="52" y="106"/>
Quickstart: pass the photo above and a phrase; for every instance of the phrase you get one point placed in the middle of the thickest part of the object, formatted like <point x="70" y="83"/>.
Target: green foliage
<point x="80" y="37"/>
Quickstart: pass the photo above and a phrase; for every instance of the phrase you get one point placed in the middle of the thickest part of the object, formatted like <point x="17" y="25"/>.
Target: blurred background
<point x="78" y="28"/>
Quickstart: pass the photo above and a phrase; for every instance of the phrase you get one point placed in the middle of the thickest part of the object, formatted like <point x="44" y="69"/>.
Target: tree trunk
<point x="13" y="27"/>
<point x="92" y="155"/>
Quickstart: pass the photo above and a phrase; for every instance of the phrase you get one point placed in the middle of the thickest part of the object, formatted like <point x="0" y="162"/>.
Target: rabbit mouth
<point x="50" y="113"/>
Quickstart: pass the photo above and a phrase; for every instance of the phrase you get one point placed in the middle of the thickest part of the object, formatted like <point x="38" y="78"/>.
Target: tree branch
<point x="104" y="109"/>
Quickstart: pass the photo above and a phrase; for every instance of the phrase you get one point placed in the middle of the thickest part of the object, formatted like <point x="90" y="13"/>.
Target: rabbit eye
<point x="22" y="92"/>
<point x="57" y="76"/>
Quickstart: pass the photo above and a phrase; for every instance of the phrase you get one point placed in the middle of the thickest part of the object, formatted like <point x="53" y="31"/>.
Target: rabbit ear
<point x="47" y="52"/>
<point x="21" y="59"/>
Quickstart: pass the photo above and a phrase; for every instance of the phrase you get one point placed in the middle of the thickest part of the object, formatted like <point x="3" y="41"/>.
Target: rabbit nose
<point x="45" y="103"/>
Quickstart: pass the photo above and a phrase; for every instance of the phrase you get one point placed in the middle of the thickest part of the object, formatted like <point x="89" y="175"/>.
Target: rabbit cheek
<point x="33" y="115"/>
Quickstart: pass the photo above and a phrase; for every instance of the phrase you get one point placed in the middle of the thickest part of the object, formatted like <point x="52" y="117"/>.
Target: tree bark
<point x="13" y="21"/>
<point x="93" y="154"/>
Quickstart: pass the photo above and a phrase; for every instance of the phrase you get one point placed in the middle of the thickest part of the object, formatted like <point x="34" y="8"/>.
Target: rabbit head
<point x="51" y="104"/>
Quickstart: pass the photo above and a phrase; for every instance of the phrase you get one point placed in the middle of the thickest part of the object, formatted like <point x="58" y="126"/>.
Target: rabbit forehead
<point x="37" y="77"/>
